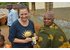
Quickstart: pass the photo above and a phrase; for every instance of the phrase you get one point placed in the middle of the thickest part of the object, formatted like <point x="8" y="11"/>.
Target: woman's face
<point x="48" y="21"/>
<point x="24" y="14"/>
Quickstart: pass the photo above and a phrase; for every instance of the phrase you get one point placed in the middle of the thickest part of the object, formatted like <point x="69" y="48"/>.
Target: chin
<point x="48" y="24"/>
<point x="24" y="19"/>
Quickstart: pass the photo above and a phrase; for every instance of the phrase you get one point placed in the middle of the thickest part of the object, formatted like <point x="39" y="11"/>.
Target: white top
<point x="12" y="16"/>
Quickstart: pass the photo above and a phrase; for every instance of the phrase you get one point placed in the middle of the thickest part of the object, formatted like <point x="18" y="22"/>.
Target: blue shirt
<point x="12" y="16"/>
<point x="17" y="30"/>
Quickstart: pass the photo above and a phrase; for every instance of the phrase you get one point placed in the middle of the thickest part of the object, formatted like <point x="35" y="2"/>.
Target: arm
<point x="12" y="36"/>
<point x="16" y="40"/>
<point x="35" y="36"/>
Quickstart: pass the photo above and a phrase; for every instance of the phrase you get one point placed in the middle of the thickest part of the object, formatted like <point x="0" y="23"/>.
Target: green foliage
<point x="6" y="3"/>
<point x="24" y="3"/>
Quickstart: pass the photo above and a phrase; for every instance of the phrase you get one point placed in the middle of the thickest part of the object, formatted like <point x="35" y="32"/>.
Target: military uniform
<point x="51" y="37"/>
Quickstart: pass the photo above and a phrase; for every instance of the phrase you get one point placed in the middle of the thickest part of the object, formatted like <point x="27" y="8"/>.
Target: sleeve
<point x="62" y="34"/>
<point x="12" y="33"/>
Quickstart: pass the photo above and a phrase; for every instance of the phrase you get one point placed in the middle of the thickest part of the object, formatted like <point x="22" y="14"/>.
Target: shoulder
<point x="42" y="29"/>
<point x="13" y="11"/>
<point x="31" y="22"/>
<point x="56" y="26"/>
<point x="15" y="23"/>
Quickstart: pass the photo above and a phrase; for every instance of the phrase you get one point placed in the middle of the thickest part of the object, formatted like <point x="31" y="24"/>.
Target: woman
<point x="19" y="27"/>
<point x="51" y="36"/>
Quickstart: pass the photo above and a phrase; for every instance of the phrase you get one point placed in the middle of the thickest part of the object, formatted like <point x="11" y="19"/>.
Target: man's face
<point x="24" y="14"/>
<point x="48" y="21"/>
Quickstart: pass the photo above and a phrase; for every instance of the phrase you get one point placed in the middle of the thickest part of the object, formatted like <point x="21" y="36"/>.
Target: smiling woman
<point x="52" y="35"/>
<point x="19" y="27"/>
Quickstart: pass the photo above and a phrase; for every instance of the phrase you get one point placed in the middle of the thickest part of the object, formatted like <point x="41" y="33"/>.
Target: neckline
<point x="22" y="25"/>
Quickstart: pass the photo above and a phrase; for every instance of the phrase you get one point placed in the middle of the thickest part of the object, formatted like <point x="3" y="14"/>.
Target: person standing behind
<point x="12" y="16"/>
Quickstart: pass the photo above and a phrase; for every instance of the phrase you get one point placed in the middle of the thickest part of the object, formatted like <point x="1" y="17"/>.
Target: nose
<point x="23" y="16"/>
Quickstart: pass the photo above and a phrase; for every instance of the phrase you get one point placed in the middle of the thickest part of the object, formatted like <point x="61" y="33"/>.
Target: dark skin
<point x="48" y="21"/>
<point x="1" y="43"/>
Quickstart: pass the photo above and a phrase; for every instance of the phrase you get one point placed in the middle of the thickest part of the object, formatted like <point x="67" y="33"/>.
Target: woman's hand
<point x="36" y="37"/>
<point x="28" y="40"/>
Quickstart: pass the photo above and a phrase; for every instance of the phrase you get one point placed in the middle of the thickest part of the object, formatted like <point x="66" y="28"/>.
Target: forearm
<point x="16" y="40"/>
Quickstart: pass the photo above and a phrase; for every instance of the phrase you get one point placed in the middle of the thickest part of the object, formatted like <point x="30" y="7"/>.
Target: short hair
<point x="49" y="14"/>
<point x="9" y="6"/>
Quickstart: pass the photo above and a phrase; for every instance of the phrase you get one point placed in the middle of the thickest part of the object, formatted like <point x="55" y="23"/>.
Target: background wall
<point x="61" y="4"/>
<point x="41" y="5"/>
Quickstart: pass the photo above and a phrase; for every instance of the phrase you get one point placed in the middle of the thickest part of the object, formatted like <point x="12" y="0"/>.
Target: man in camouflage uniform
<point x="50" y="36"/>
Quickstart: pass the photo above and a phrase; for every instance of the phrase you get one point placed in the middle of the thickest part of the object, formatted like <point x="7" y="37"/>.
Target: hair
<point x="9" y="6"/>
<point x="23" y="7"/>
<point x="49" y="14"/>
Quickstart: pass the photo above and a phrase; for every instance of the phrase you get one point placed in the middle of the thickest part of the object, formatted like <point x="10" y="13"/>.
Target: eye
<point x="21" y="14"/>
<point x="49" y="19"/>
<point x="25" y="13"/>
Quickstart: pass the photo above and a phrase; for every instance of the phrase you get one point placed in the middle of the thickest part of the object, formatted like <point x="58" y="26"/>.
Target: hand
<point x="28" y="40"/>
<point x="36" y="37"/>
